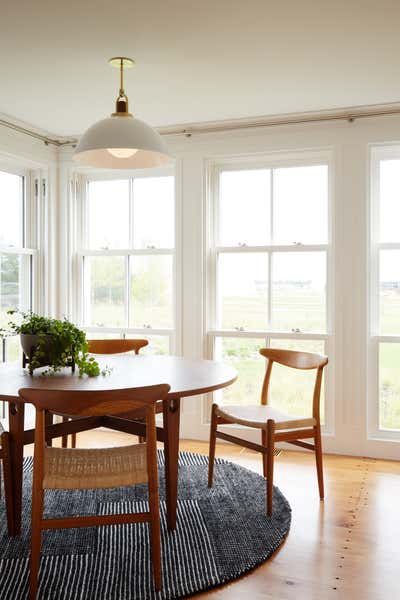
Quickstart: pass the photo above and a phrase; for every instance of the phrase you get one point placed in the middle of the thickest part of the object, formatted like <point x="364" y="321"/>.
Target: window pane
<point x="14" y="284"/>
<point x="291" y="389"/>
<point x="104" y="291"/>
<point x="13" y="349"/>
<point x="108" y="217"/>
<point x="158" y="344"/>
<point x="298" y="291"/>
<point x="153" y="212"/>
<point x="389" y="196"/>
<point x="151" y="281"/>
<point x="389" y="275"/>
<point x="242" y="290"/>
<point x="389" y="386"/>
<point x="301" y="205"/>
<point x="244" y="207"/>
<point x="11" y="209"/>
<point x="243" y="355"/>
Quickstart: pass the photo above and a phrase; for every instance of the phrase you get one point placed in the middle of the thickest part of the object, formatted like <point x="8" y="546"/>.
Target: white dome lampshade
<point x="122" y="141"/>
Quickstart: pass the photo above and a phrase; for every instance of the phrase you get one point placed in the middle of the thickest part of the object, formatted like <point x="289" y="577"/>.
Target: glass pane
<point x="14" y="284"/>
<point x="158" y="344"/>
<point x="15" y="275"/>
<point x="108" y="214"/>
<point x="389" y="200"/>
<point x="244" y="207"/>
<point x="243" y="355"/>
<point x="389" y="275"/>
<point x="11" y="209"/>
<point x="298" y="291"/>
<point x="389" y="386"/>
<point x="105" y="291"/>
<point x="243" y="291"/>
<point x="153" y="212"/>
<point x="13" y="349"/>
<point x="100" y="335"/>
<point x="292" y="390"/>
<point x="151" y="280"/>
<point x="300" y="205"/>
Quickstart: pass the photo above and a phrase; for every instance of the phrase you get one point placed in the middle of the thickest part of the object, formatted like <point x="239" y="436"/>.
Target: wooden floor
<point x="347" y="547"/>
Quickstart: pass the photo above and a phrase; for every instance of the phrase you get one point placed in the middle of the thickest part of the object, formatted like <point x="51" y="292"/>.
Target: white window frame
<point x="374" y="432"/>
<point x="174" y="333"/>
<point x="269" y="161"/>
<point x="33" y="201"/>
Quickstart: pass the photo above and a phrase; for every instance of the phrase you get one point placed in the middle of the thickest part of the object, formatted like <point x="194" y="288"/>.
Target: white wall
<point x="349" y="144"/>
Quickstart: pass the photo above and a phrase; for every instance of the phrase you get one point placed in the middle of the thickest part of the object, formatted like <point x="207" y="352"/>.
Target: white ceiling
<point x="197" y="60"/>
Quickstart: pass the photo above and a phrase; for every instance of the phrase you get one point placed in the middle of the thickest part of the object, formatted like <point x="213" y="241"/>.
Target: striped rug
<point x="221" y="534"/>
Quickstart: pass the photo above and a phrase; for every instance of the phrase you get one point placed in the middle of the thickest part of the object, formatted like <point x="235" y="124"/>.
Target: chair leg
<point x="64" y="438"/>
<point x="155" y="537"/>
<point x="49" y="421"/>
<point x="8" y="487"/>
<point x="318" y="460"/>
<point x="36" y="540"/>
<point x="270" y="464"/>
<point x="264" y="456"/>
<point x="211" y="454"/>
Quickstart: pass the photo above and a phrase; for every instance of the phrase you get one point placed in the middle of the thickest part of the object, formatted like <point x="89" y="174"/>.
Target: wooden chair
<point x="66" y="468"/>
<point x="5" y="458"/>
<point x="275" y="425"/>
<point x="107" y="346"/>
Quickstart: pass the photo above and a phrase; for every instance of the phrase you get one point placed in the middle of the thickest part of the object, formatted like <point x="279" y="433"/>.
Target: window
<point x="16" y="258"/>
<point x="268" y="275"/>
<point x="128" y="260"/>
<point x="385" y="314"/>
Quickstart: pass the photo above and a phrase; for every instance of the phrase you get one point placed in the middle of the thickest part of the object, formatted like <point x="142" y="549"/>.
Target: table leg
<point x="16" y="425"/>
<point x="171" y="415"/>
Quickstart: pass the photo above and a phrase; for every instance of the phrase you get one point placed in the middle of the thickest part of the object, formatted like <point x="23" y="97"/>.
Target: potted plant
<point x="53" y="343"/>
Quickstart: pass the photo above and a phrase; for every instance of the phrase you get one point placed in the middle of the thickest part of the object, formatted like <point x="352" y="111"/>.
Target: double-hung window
<point x="128" y="260"/>
<point x="384" y="405"/>
<point x="269" y="274"/>
<point x="17" y="254"/>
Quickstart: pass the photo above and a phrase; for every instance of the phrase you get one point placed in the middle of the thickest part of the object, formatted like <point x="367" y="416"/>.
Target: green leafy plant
<point x="59" y="344"/>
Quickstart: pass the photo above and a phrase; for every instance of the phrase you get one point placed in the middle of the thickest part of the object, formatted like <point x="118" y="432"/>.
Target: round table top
<point x="185" y="376"/>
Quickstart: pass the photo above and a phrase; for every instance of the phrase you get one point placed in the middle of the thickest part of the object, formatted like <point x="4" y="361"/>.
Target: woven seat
<point x="69" y="468"/>
<point x="258" y="415"/>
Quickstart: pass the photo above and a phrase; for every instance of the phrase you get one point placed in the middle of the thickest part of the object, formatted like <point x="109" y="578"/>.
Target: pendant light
<point x="121" y="141"/>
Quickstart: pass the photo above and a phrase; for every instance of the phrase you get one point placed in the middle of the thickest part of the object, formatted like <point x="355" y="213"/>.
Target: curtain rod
<point x="348" y="114"/>
<point x="38" y="136"/>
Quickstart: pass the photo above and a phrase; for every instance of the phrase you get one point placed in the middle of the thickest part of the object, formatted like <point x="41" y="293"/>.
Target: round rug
<point x="221" y="533"/>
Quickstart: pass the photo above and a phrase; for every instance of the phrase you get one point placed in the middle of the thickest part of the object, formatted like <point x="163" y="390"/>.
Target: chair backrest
<point x="295" y="360"/>
<point x="93" y="402"/>
<point x="116" y="346"/>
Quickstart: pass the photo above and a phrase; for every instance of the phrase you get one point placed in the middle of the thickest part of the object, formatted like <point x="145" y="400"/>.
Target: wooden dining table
<point x="186" y="378"/>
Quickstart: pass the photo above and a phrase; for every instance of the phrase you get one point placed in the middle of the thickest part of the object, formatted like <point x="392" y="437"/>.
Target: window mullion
<point x="127" y="291"/>
<point x="131" y="213"/>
